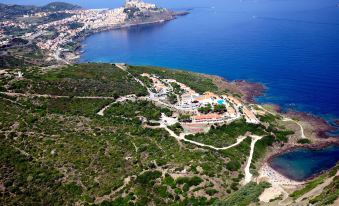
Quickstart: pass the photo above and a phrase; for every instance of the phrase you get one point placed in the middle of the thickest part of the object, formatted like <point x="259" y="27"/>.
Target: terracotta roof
<point x="200" y="98"/>
<point x="231" y="110"/>
<point x="235" y="100"/>
<point x="249" y="113"/>
<point x="207" y="116"/>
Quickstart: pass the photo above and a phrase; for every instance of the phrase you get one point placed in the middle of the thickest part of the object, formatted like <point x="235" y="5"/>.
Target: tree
<point x="184" y="118"/>
<point x="220" y="108"/>
<point x="172" y="98"/>
<point x="205" y="110"/>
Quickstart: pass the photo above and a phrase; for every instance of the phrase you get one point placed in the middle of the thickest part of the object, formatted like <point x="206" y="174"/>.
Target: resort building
<point x="235" y="101"/>
<point x="231" y="112"/>
<point x="208" y="118"/>
<point x="161" y="90"/>
<point x="206" y="98"/>
<point x="249" y="116"/>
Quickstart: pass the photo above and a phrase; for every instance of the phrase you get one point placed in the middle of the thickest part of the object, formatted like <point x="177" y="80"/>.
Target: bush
<point x="190" y="181"/>
<point x="282" y="135"/>
<point x="172" y="98"/>
<point x="211" y="192"/>
<point x="246" y="195"/>
<point x="304" y="141"/>
<point x="168" y="180"/>
<point x="233" y="165"/>
<point x="184" y="118"/>
<point x="148" y="177"/>
<point x="177" y="128"/>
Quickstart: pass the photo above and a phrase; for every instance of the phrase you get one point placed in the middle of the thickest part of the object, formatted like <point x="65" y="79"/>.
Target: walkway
<point x="14" y="94"/>
<point x="130" y="97"/>
<point x="255" y="138"/>
<point x="248" y="175"/>
<point x="286" y="119"/>
<point x="301" y="127"/>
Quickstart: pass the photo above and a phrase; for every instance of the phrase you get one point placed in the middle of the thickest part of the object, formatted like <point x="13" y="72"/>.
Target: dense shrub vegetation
<point x="225" y="135"/>
<point x="80" y="80"/>
<point x="193" y="80"/>
<point x="58" y="151"/>
<point x="246" y="195"/>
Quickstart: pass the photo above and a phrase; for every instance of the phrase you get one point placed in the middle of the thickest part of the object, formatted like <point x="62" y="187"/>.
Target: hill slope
<point x="57" y="150"/>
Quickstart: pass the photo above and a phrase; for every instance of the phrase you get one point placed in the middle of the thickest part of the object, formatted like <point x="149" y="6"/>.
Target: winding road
<point x="255" y="138"/>
<point x="181" y="137"/>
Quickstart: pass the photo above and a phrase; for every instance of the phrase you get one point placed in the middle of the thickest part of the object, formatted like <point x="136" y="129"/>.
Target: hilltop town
<point x="52" y="36"/>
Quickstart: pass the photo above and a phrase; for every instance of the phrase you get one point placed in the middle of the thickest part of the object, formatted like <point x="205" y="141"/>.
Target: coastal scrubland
<point x="56" y="149"/>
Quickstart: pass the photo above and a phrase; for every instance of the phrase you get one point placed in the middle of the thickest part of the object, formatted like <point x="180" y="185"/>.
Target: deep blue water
<point x="302" y="163"/>
<point x="291" y="46"/>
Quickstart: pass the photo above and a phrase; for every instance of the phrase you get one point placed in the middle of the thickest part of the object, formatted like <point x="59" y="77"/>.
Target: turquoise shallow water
<point x="302" y="163"/>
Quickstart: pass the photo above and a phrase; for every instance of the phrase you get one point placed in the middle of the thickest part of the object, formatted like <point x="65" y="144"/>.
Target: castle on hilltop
<point x="139" y="4"/>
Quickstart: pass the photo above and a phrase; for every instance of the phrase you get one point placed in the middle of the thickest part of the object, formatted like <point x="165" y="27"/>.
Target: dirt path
<point x="101" y="112"/>
<point x="318" y="189"/>
<point x="14" y="94"/>
<point x="99" y="200"/>
<point x="123" y="67"/>
<point x="130" y="97"/>
<point x="286" y="119"/>
<point x="301" y="127"/>
<point x="248" y="175"/>
<point x="181" y="137"/>
<point x="255" y="138"/>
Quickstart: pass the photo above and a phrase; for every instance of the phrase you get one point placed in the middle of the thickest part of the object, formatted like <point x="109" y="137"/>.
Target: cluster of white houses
<point x="189" y="101"/>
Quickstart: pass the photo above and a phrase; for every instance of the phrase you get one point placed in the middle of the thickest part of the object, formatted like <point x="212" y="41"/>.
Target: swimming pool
<point x="220" y="101"/>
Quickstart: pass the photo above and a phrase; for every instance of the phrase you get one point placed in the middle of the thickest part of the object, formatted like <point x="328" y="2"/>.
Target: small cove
<point x="302" y="163"/>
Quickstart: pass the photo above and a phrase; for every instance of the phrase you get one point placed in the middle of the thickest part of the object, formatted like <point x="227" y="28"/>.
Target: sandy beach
<point x="278" y="182"/>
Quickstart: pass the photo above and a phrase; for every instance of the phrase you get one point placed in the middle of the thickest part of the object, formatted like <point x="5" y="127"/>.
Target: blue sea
<point x="301" y="164"/>
<point x="291" y="46"/>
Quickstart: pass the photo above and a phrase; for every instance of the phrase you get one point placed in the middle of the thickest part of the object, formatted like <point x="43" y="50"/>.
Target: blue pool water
<point x="302" y="163"/>
<point x="290" y="46"/>
<point x="220" y="101"/>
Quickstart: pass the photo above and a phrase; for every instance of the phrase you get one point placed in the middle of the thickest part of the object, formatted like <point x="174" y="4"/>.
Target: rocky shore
<point x="317" y="126"/>
<point x="247" y="90"/>
<point x="320" y="126"/>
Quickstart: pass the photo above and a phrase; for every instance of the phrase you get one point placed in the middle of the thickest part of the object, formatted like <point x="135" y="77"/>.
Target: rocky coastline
<point x="289" y="148"/>
<point x="320" y="127"/>
<point x="250" y="90"/>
